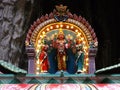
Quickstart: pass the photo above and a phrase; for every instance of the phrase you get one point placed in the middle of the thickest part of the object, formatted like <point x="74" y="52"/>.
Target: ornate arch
<point x="48" y="19"/>
<point x="67" y="21"/>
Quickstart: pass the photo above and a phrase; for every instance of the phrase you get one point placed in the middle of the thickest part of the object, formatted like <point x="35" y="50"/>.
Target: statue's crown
<point x="60" y="31"/>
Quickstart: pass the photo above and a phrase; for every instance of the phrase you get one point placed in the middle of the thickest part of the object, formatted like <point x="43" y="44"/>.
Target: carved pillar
<point x="92" y="55"/>
<point x="31" y="59"/>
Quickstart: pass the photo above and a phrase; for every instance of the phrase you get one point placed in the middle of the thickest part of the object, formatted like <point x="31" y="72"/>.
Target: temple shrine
<point x="61" y="48"/>
<point x="67" y="39"/>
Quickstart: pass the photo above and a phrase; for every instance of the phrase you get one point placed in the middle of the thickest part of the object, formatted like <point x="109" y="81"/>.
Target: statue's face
<point x="61" y="36"/>
<point x="44" y="48"/>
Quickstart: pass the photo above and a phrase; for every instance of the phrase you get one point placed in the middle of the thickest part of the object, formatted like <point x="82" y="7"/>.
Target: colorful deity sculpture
<point x="79" y="56"/>
<point x="43" y="59"/>
<point x="61" y="53"/>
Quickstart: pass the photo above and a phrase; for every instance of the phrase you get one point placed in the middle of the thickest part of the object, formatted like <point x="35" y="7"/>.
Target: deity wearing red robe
<point x="44" y="65"/>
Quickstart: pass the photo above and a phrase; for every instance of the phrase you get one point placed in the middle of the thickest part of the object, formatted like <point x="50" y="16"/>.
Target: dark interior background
<point x="104" y="17"/>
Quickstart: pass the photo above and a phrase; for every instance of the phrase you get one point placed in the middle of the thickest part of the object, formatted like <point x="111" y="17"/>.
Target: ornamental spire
<point x="61" y="10"/>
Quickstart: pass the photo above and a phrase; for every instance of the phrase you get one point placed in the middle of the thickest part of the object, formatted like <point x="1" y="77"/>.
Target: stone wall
<point x="14" y="22"/>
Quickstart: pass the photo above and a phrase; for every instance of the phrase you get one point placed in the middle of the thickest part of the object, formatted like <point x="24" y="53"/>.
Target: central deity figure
<point x="61" y="53"/>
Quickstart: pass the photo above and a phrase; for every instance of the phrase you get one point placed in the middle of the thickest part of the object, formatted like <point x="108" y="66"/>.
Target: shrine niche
<point x="61" y="41"/>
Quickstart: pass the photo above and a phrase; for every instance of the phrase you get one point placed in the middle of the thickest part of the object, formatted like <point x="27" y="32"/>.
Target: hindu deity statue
<point x="79" y="56"/>
<point x="61" y="53"/>
<point x="43" y="59"/>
